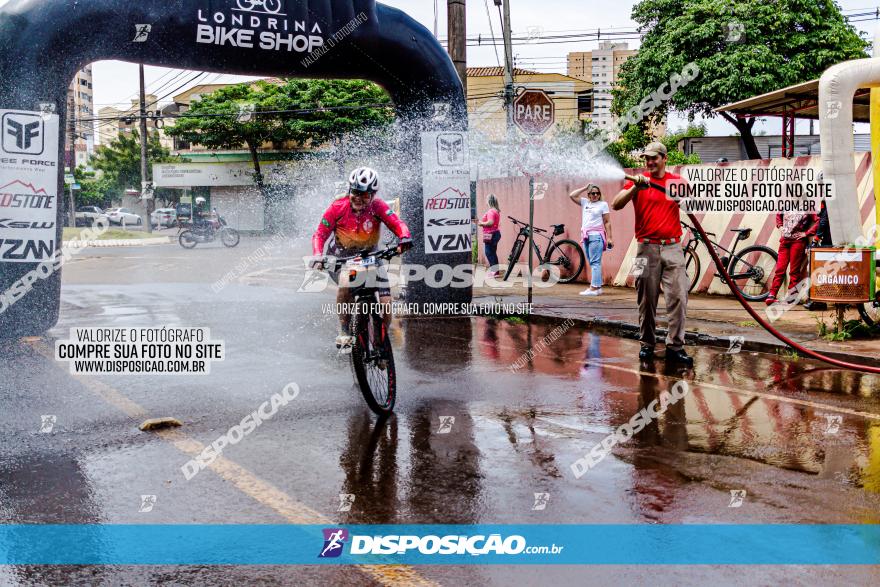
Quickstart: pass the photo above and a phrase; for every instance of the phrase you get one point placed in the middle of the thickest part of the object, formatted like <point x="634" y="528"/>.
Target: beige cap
<point x="654" y="149"/>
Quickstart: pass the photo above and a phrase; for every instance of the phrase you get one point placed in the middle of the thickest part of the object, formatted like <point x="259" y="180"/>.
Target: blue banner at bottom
<point x="721" y="544"/>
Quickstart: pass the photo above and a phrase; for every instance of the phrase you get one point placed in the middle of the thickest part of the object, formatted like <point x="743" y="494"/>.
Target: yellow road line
<point x="245" y="481"/>
<point x="769" y="396"/>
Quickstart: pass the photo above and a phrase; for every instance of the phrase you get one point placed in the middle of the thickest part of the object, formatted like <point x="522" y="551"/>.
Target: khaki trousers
<point x="663" y="264"/>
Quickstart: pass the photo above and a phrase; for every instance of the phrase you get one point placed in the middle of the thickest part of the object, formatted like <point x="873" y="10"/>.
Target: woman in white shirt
<point x="595" y="232"/>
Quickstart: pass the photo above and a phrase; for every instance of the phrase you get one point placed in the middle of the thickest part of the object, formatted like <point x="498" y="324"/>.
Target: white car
<point x="163" y="217"/>
<point x="88" y="215"/>
<point x="124" y="216"/>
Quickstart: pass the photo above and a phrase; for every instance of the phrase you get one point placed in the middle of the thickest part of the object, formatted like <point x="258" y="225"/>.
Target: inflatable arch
<point x="43" y="43"/>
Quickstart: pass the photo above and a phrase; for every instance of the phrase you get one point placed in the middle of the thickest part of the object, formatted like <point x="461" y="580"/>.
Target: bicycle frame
<point x="729" y="253"/>
<point x="524" y="236"/>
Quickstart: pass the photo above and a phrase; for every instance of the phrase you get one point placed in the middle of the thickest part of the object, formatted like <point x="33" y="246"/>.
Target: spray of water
<point x="299" y="191"/>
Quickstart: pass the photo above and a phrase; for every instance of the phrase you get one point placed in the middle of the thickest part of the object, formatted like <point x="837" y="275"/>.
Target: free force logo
<point x="334" y="540"/>
<point x="450" y="149"/>
<point x="23" y="134"/>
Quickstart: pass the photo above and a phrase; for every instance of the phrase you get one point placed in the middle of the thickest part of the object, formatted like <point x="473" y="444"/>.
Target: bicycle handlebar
<point x="385" y="254"/>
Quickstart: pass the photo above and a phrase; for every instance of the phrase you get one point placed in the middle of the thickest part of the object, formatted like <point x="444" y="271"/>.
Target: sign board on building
<point x="534" y="112"/>
<point x="446" y="184"/>
<point x="189" y="175"/>
<point x="28" y="185"/>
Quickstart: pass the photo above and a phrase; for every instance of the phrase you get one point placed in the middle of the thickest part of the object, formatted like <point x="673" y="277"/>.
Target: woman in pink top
<point x="490" y="223"/>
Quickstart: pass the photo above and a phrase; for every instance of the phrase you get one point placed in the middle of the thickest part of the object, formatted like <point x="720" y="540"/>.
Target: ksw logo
<point x="23" y="133"/>
<point x="450" y="149"/>
<point x="449" y="222"/>
<point x="9" y="223"/>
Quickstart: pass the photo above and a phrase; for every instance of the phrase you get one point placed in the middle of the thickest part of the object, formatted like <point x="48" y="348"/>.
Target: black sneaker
<point x="680" y="357"/>
<point x="646" y="354"/>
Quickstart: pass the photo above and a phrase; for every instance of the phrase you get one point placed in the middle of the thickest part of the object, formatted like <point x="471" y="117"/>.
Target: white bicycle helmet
<point x="363" y="179"/>
<point x="200" y="200"/>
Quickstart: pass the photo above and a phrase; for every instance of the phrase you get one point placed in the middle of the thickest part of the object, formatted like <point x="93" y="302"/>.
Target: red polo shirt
<point x="657" y="215"/>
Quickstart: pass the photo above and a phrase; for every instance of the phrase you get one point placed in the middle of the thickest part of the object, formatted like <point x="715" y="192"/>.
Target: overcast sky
<point x="116" y="82"/>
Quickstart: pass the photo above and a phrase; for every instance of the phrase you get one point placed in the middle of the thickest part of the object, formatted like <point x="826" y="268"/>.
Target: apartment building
<point x="602" y="68"/>
<point x="81" y="106"/>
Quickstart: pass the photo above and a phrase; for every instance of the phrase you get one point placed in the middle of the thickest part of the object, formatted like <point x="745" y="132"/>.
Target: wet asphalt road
<point x="803" y="441"/>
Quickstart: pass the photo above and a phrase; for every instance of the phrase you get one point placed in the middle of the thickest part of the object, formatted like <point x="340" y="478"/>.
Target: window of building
<point x="585" y="101"/>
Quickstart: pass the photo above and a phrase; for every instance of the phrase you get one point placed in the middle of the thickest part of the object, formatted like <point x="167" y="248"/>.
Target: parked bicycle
<point x="205" y="231"/>
<point x="372" y="357"/>
<point x="565" y="254"/>
<point x="751" y="269"/>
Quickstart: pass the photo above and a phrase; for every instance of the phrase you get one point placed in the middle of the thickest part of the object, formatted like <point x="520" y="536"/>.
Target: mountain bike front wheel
<point x="514" y="258"/>
<point x="692" y="267"/>
<point x="373" y="361"/>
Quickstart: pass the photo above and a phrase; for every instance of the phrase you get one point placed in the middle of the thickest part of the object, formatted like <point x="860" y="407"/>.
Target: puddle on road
<point x="717" y="417"/>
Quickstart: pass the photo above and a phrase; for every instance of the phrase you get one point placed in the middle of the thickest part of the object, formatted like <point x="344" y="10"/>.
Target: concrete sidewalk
<point x="712" y="320"/>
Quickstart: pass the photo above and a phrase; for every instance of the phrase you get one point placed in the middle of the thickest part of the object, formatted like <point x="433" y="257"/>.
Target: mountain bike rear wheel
<point x="752" y="271"/>
<point x="373" y="361"/>
<point x="568" y="257"/>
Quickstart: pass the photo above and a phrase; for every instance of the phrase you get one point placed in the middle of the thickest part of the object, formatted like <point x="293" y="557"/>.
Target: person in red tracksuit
<point x="797" y="229"/>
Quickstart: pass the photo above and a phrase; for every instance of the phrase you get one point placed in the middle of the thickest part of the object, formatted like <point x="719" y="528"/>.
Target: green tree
<point x="636" y="137"/>
<point x="676" y="155"/>
<point x="120" y="161"/>
<point x="222" y="120"/>
<point x="94" y="190"/>
<point x="742" y="48"/>
<point x="330" y="109"/>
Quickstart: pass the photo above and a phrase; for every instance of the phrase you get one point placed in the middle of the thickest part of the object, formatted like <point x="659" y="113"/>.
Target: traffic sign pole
<point x="531" y="233"/>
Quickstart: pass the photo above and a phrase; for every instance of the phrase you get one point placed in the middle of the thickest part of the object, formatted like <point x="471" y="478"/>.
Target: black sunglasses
<point x="595" y="193"/>
<point x="360" y="194"/>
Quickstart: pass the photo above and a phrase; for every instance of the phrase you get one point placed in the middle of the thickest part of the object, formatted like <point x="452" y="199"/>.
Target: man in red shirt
<point x="660" y="257"/>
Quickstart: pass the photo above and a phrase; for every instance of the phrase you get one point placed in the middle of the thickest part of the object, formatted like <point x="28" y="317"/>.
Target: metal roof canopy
<point x="791" y="103"/>
<point x="801" y="101"/>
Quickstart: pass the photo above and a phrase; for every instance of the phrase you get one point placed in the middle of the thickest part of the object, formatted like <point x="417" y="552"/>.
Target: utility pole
<point x="508" y="64"/>
<point x="148" y="204"/>
<point x="71" y="136"/>
<point x="457" y="33"/>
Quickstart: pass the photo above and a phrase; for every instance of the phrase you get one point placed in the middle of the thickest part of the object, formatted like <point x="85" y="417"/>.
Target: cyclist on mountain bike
<point x="355" y="222"/>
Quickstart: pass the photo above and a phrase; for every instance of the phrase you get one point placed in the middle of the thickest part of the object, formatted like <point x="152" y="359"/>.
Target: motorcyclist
<point x="356" y="222"/>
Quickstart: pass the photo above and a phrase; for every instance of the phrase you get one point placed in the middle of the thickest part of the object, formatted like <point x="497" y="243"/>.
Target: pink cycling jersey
<point x="356" y="230"/>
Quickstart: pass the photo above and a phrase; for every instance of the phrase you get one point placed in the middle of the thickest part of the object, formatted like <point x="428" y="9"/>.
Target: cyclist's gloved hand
<point x="404" y="245"/>
<point x="316" y="263"/>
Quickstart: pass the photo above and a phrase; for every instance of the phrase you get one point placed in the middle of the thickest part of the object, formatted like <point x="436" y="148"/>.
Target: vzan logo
<point x="23" y="134"/>
<point x="450" y="149"/>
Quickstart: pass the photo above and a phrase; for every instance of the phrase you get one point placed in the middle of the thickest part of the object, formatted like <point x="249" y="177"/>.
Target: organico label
<point x="28" y="185"/>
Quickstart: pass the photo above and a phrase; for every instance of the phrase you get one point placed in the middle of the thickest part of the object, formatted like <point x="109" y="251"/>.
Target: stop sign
<point x="534" y="112"/>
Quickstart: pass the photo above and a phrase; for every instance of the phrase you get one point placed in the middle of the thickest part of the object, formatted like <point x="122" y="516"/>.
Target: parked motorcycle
<point x="206" y="232"/>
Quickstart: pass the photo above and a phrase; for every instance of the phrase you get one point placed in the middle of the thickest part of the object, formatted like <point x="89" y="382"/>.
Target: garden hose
<point x="765" y="324"/>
